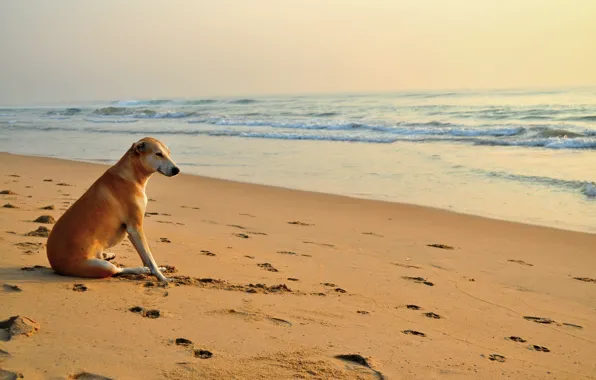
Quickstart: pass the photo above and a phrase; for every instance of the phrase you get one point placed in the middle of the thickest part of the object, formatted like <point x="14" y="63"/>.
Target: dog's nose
<point x="175" y="170"/>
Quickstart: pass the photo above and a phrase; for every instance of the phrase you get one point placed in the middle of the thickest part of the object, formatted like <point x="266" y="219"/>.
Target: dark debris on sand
<point x="41" y="231"/>
<point x="88" y="376"/>
<point x="46" y="219"/>
<point x="9" y="205"/>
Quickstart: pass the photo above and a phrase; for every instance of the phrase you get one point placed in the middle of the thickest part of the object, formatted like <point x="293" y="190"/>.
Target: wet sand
<point x="282" y="284"/>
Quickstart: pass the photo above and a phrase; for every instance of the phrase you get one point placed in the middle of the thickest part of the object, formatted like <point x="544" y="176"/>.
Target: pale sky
<point x="79" y="50"/>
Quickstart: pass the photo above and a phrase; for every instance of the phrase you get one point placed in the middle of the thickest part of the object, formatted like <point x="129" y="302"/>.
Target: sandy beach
<point x="278" y="284"/>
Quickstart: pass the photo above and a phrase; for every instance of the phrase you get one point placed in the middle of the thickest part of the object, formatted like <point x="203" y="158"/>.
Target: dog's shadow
<point x="36" y="273"/>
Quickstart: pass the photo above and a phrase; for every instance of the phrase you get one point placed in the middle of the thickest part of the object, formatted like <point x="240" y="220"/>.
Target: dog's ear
<point x="140" y="147"/>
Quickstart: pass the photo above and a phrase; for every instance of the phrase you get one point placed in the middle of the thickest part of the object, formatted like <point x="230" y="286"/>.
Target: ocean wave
<point x="582" y="118"/>
<point x="402" y="128"/>
<point x="128" y="103"/>
<point x="65" y="112"/>
<point x="549" y="143"/>
<point x="110" y="121"/>
<point x="322" y="114"/>
<point x="243" y="101"/>
<point x="141" y="113"/>
<point x="158" y="102"/>
<point x="587" y="188"/>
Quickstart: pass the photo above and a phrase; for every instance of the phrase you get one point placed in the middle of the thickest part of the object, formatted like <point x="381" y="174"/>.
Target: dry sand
<point x="351" y="267"/>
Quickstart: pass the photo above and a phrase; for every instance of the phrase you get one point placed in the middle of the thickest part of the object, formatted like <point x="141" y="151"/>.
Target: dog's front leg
<point x="137" y="238"/>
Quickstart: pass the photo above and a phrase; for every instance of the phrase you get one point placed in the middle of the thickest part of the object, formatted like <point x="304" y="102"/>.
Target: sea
<point x="519" y="155"/>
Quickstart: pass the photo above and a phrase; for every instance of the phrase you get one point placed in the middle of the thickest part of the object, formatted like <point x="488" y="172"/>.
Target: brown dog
<point x="111" y="208"/>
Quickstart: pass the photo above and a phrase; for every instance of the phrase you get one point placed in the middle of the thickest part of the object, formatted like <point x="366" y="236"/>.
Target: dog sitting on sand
<point x="111" y="208"/>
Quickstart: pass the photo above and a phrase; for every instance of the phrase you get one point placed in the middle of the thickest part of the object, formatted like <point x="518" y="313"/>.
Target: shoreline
<point x="109" y="163"/>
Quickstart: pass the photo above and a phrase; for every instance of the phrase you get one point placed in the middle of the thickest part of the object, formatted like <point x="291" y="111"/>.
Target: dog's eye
<point x="159" y="154"/>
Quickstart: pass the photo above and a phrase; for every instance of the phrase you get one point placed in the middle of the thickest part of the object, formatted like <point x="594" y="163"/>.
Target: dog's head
<point x="154" y="156"/>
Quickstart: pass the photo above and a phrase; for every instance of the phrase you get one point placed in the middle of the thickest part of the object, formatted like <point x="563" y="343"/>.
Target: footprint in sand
<point x="418" y="280"/>
<point x="165" y="240"/>
<point x="48" y="180"/>
<point x="516" y="339"/>
<point x="360" y="361"/>
<point x="585" y="279"/>
<point x="432" y="315"/>
<point x="538" y="348"/>
<point x="236" y="226"/>
<point x="572" y="325"/>
<point x="151" y="314"/>
<point x="546" y="321"/>
<point x="62" y="184"/>
<point x="249" y="257"/>
<point x="413" y="307"/>
<point x="440" y="246"/>
<point x="79" y="288"/>
<point x="292" y="279"/>
<point x="9" y="205"/>
<point x="48" y="207"/>
<point x="320" y="244"/>
<point x="29" y="247"/>
<point x="287" y="252"/>
<point x="7" y="192"/>
<point x="414" y="332"/>
<point x="191" y="207"/>
<point x="268" y="267"/>
<point x="520" y="262"/>
<point x="183" y="342"/>
<point x="372" y="234"/>
<point x="406" y="266"/>
<point x="496" y="358"/>
<point x="363" y="312"/>
<point x="299" y="223"/>
<point x="202" y="354"/>
<point x="207" y="253"/>
<point x="243" y="236"/>
<point x="18" y="326"/>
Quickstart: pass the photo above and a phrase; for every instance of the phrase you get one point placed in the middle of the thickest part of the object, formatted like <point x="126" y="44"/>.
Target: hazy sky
<point x="69" y="50"/>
